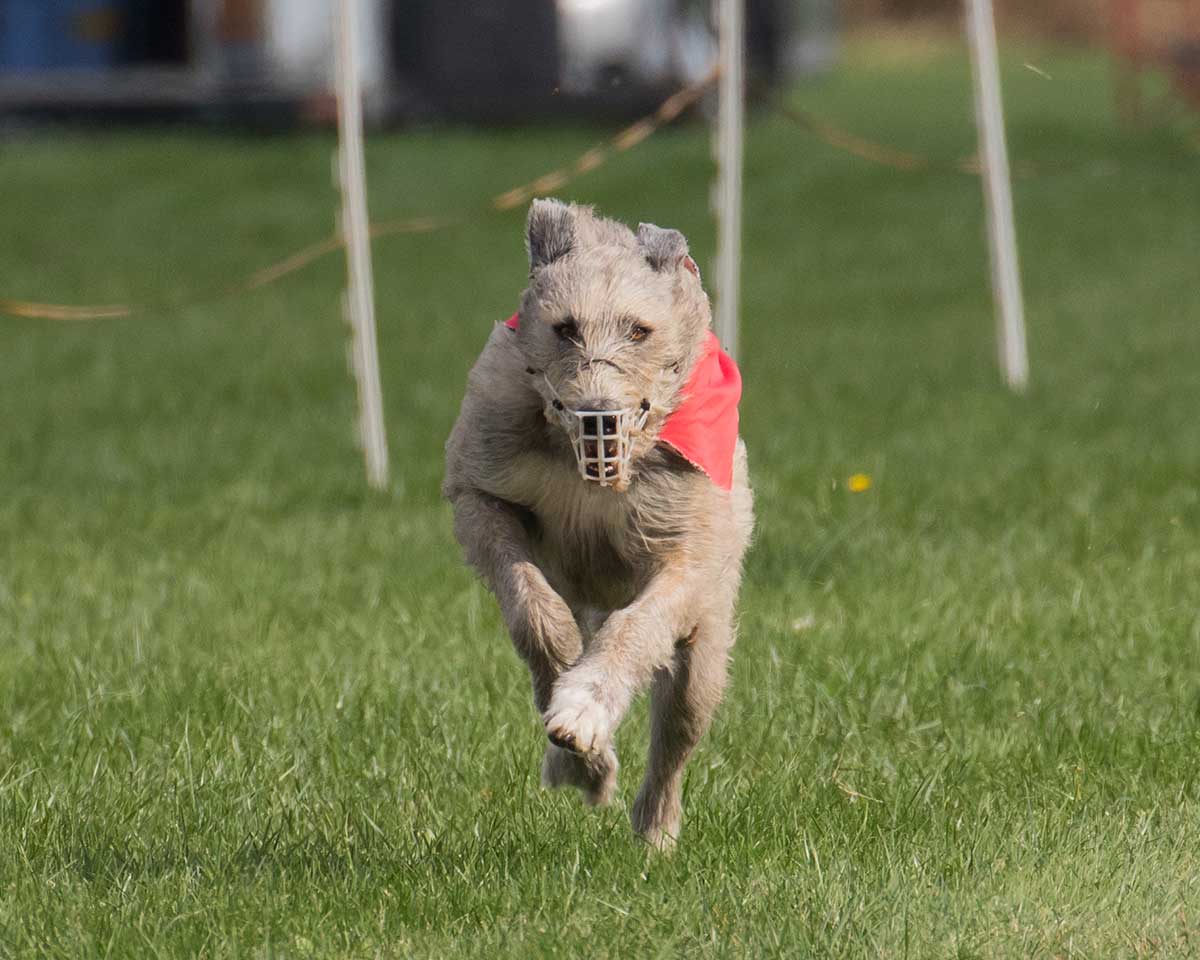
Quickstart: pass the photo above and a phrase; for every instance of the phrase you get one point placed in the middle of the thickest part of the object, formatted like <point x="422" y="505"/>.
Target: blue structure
<point x="59" y="34"/>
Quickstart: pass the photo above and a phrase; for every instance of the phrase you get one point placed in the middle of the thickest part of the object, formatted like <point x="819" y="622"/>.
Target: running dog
<point x="600" y="488"/>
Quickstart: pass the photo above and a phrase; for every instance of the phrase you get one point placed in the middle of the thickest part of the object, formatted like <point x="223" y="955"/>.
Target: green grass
<point x="248" y="709"/>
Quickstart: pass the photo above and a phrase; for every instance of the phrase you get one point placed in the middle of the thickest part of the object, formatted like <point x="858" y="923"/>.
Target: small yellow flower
<point x="859" y="483"/>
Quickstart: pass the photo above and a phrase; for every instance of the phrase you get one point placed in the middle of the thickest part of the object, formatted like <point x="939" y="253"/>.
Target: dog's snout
<point x="600" y="430"/>
<point x="591" y="447"/>
<point x="598" y="404"/>
<point x="587" y="362"/>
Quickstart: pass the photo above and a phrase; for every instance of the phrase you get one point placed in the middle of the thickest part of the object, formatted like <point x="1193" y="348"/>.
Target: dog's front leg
<point x="590" y="698"/>
<point x="541" y="625"/>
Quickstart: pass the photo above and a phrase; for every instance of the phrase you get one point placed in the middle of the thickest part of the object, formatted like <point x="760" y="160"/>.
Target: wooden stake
<point x="997" y="191"/>
<point x="355" y="227"/>
<point x="728" y="188"/>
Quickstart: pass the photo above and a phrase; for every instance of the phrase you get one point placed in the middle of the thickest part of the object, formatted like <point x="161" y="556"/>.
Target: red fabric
<point x="703" y="429"/>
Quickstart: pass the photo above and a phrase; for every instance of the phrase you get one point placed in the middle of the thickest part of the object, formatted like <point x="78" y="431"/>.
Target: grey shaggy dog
<point x="605" y="589"/>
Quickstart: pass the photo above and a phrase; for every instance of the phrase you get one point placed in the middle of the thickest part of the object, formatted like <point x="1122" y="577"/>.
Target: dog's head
<point x="611" y="325"/>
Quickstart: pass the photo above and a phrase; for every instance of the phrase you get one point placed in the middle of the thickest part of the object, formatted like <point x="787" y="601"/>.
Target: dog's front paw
<point x="595" y="775"/>
<point x="576" y="720"/>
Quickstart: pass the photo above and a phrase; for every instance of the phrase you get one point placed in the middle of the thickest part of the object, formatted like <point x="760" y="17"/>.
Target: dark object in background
<point x="486" y="58"/>
<point x="767" y="24"/>
<point x="520" y="59"/>
<point x="156" y="31"/>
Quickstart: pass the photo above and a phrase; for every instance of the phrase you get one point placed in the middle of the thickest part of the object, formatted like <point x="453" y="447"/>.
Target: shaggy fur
<point x="605" y="591"/>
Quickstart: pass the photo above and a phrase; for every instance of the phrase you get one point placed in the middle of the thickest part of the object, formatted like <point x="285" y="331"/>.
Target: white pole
<point x="360" y="293"/>
<point x="728" y="192"/>
<point x="997" y="191"/>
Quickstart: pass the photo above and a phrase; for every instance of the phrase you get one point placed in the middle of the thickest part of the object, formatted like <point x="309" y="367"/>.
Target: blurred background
<point x="269" y="60"/>
<point x="420" y="57"/>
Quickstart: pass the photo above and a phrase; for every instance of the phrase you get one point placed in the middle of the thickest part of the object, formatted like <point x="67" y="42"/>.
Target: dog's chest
<point x="585" y="534"/>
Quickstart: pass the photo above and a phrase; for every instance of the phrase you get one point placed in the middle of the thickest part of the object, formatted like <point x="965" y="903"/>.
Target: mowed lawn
<point x="249" y="709"/>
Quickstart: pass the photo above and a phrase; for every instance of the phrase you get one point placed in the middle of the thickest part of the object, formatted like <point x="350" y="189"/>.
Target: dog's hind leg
<point x="682" y="702"/>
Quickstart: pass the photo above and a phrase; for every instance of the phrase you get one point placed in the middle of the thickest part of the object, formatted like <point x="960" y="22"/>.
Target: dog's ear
<point x="665" y="249"/>
<point x="549" y="232"/>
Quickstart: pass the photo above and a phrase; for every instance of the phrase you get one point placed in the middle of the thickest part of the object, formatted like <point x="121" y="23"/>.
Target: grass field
<point x="248" y="709"/>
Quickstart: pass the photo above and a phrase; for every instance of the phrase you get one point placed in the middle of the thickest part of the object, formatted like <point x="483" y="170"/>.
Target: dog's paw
<point x="576" y="721"/>
<point x="595" y="776"/>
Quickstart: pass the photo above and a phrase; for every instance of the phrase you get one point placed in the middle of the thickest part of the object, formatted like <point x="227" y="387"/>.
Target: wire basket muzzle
<point x="603" y="442"/>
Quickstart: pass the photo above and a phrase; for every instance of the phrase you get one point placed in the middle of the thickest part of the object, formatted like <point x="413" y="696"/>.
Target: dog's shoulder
<point x="498" y="379"/>
<point x="499" y="443"/>
<point x="673" y="502"/>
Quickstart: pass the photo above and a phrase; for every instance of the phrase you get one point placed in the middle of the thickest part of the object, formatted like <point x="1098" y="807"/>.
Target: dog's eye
<point x="567" y="329"/>
<point x="639" y="333"/>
